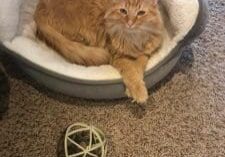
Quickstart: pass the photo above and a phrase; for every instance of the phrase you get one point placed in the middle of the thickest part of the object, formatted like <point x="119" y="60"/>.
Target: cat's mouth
<point x="128" y="26"/>
<point x="131" y="30"/>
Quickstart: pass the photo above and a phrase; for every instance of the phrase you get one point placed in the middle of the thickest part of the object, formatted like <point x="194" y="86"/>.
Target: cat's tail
<point x="73" y="51"/>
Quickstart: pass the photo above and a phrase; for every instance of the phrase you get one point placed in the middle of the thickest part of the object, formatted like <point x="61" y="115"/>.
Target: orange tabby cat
<point x="95" y="32"/>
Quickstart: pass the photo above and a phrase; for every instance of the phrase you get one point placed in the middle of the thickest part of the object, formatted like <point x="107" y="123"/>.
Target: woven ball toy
<point x="82" y="140"/>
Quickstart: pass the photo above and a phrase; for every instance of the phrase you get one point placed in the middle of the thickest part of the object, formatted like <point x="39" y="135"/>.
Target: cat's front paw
<point x="138" y="93"/>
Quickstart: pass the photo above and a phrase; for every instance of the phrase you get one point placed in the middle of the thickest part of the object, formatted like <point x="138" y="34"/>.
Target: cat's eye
<point x="123" y="11"/>
<point x="141" y="13"/>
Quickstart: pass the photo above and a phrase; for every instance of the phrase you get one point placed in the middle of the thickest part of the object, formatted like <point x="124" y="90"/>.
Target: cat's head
<point x="131" y="16"/>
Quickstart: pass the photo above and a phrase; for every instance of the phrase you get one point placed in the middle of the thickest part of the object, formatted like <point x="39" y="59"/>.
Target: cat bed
<point x="185" y="20"/>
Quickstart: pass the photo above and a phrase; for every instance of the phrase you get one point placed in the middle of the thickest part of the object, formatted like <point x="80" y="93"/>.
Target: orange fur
<point x="93" y="32"/>
<point x="59" y="24"/>
<point x="132" y="71"/>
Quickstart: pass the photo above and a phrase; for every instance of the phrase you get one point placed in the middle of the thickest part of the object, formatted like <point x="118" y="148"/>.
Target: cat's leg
<point x="132" y="72"/>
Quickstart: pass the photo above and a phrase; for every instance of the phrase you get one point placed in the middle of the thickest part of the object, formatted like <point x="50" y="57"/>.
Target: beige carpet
<point x="185" y="116"/>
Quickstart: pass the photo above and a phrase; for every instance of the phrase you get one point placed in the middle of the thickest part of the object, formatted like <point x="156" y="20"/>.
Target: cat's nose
<point x="130" y="23"/>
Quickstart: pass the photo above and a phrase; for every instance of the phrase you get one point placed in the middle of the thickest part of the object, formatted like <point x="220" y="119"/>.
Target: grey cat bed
<point x="4" y="90"/>
<point x="186" y="20"/>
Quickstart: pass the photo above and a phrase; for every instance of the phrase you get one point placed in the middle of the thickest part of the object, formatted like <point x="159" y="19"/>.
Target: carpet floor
<point x="184" y="117"/>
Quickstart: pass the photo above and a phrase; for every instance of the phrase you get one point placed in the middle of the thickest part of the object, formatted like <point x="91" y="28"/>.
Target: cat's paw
<point x="138" y="93"/>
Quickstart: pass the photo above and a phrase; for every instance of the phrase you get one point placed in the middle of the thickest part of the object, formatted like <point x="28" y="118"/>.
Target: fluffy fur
<point x="127" y="31"/>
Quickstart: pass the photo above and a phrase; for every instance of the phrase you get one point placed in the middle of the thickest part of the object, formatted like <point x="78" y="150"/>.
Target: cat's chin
<point x="134" y="32"/>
